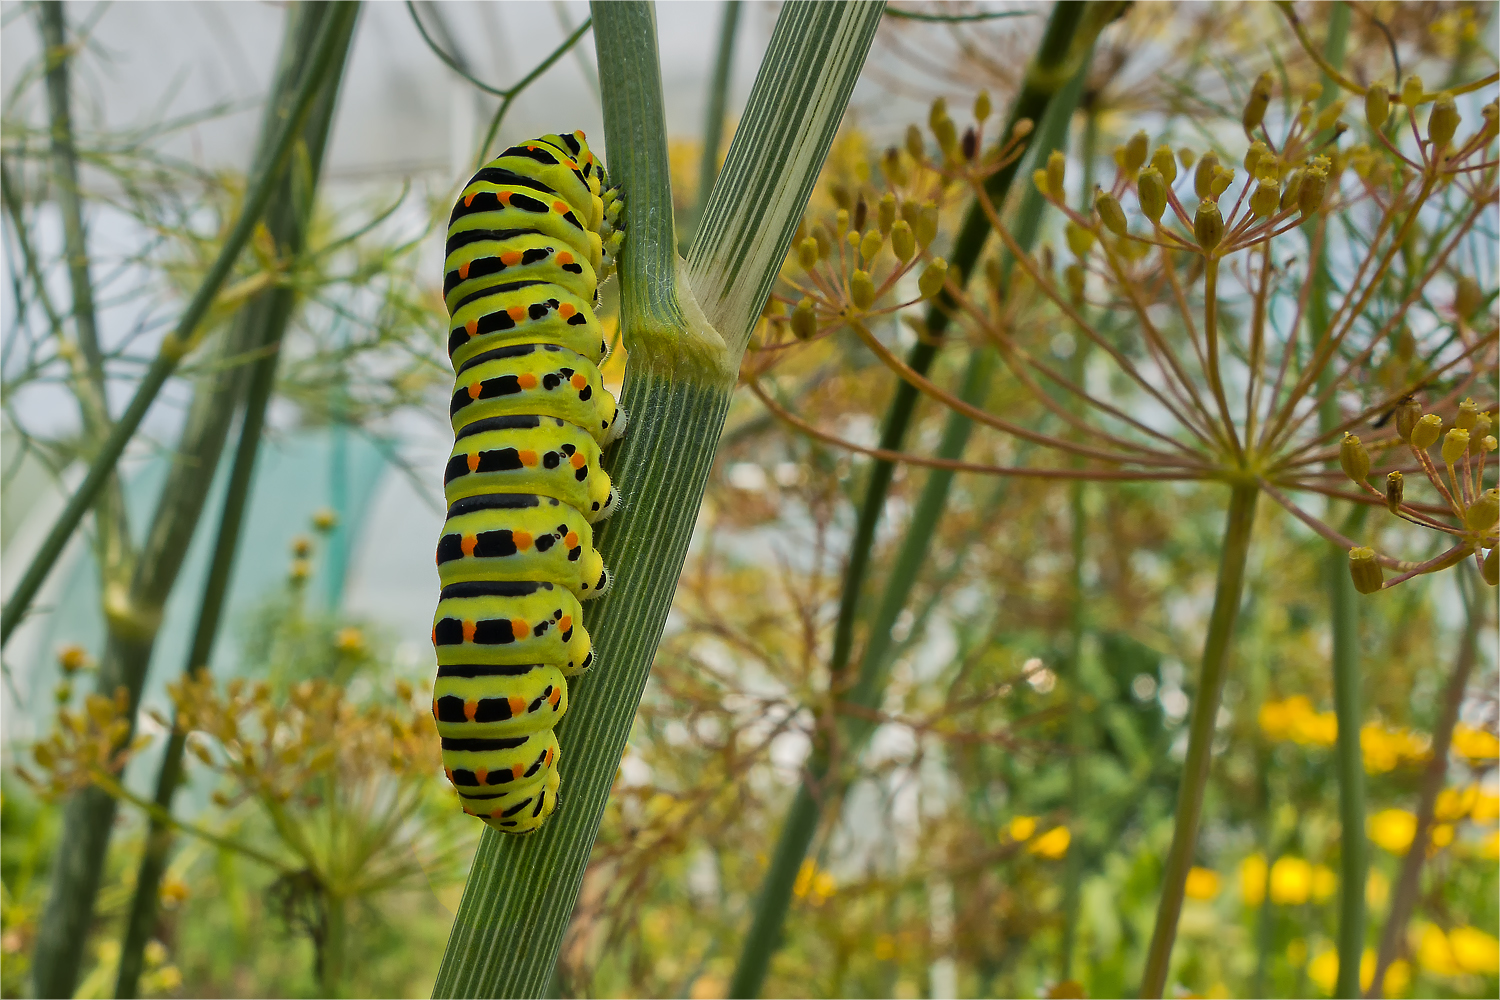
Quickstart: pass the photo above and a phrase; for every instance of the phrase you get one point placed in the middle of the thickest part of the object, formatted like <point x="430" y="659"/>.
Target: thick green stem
<point x="1216" y="655"/>
<point x="713" y="115"/>
<point x="265" y="319"/>
<point x="332" y="945"/>
<point x="681" y="375"/>
<point x="134" y="613"/>
<point x="174" y="348"/>
<point x="1409" y="882"/>
<point x="763" y="937"/>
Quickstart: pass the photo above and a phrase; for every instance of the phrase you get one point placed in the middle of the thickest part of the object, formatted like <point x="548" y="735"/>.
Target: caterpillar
<point x="530" y="238"/>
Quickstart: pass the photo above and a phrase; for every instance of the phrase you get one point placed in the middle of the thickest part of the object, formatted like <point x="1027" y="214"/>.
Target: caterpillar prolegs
<point x="531" y="237"/>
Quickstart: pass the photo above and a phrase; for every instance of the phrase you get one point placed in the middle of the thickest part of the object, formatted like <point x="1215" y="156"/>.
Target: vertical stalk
<point x="1235" y="549"/>
<point x="331" y="948"/>
<point x="133" y="613"/>
<point x="713" y="116"/>
<point x="1059" y="51"/>
<point x="265" y="318"/>
<point x="1409" y="881"/>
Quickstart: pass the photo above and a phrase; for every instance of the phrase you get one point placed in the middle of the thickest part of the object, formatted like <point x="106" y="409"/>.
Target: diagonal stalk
<point x="266" y="317"/>
<point x="686" y="329"/>
<point x="713" y="116"/>
<point x="1060" y="47"/>
<point x="1235" y="549"/>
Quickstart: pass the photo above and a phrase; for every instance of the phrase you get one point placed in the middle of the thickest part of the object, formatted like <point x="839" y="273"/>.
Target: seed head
<point x="1314" y="188"/>
<point x="1260" y="99"/>
<point x="981" y="105"/>
<point x="914" y="144"/>
<point x="1484" y="512"/>
<point x="1354" y="460"/>
<point x="841" y="222"/>
<point x="1075" y="278"/>
<point x="1203" y="176"/>
<point x="1110" y="212"/>
<point x="1165" y="164"/>
<point x="931" y="281"/>
<point x="1219" y="183"/>
<point x="1395" y="490"/>
<point x="1455" y="443"/>
<point x="1152" y="191"/>
<point x="861" y="289"/>
<point x="903" y="243"/>
<point x="1412" y="91"/>
<point x="804" y="320"/>
<point x="1442" y="123"/>
<point x="1135" y="154"/>
<point x="1487" y="131"/>
<point x="1057" y="168"/>
<point x="885" y="212"/>
<point x="969" y="146"/>
<point x="1408" y="412"/>
<point x="1080" y="240"/>
<point x="1290" y="190"/>
<point x="861" y="214"/>
<point x="1424" y="432"/>
<point x="1468" y="414"/>
<point x="1491" y="569"/>
<point x="894" y="167"/>
<point x="1365" y="570"/>
<point x="807" y="254"/>
<point x="1266" y="197"/>
<point x="871" y="244"/>
<point x="1208" y="224"/>
<point x="1377" y="106"/>
<point x="1329" y="116"/>
<point x="1258" y="151"/>
<point x="926" y="226"/>
<point x="1186" y="156"/>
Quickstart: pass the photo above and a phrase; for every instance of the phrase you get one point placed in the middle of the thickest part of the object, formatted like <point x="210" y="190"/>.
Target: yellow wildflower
<point x="1377" y="890"/>
<point x="1490" y="846"/>
<point x="1291" y="881"/>
<point x="1253" y="879"/>
<point x="1392" y="830"/>
<point x="1053" y="844"/>
<point x="1474" y="950"/>
<point x="1324" y="970"/>
<point x="1202" y="883"/>
<point x="1486" y="808"/>
<point x="1324" y="883"/>
<point x="1475" y="744"/>
<point x="1454" y="804"/>
<point x="1433" y="951"/>
<point x="1441" y="836"/>
<point x="1022" y="827"/>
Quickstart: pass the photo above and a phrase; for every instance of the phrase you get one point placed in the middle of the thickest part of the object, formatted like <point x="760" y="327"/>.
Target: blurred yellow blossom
<point x="1474" y="950"/>
<point x="1475" y="744"/>
<point x="349" y="640"/>
<point x="1397" y="978"/>
<point x="1377" y="890"/>
<point x="1490" y="846"/>
<point x="1486" y="808"/>
<point x="1324" y="883"/>
<point x="1294" y="719"/>
<point x="1324" y="970"/>
<point x="813" y="884"/>
<point x="1022" y="827"/>
<point x="885" y="947"/>
<point x="1053" y="844"/>
<point x="1385" y="749"/>
<point x="1392" y="830"/>
<point x="1253" y="879"/>
<point x="1454" y="804"/>
<point x="1433" y="952"/>
<point x="1441" y="836"/>
<point x="1291" y="881"/>
<point x="1202" y="883"/>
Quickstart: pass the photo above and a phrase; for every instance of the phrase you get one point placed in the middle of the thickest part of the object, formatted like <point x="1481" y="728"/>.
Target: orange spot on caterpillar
<point x="519" y="629"/>
<point x="563" y="257"/>
<point x="434" y="642"/>
<point x="566" y="310"/>
<point x="528" y="458"/>
<point x="463" y="269"/>
<point x="555" y="697"/>
<point x="526" y="381"/>
<point x="468" y="631"/>
<point x="510" y="258"/>
<point x="482" y="773"/>
<point x="469" y="198"/>
<point x="504" y="197"/>
<point x="434" y="715"/>
<point x="571" y="540"/>
<point x="474" y="462"/>
<point x="578" y="460"/>
<point x="560" y="207"/>
<point x="516" y="770"/>
<point x="580" y="380"/>
<point x="475" y="388"/>
<point x="468" y="542"/>
<point x="517" y="313"/>
<point x="471" y="709"/>
<point x="565" y="623"/>
<point x="522" y="540"/>
<point x="550" y="755"/>
<point x="517" y="706"/>
<point x="449" y="772"/>
<point x="471" y="327"/>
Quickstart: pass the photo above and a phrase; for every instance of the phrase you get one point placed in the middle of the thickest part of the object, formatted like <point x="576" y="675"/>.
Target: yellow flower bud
<point x="1455" y="443"/>
<point x="1186" y="156"/>
<point x="1408" y="412"/>
<point x="1219" y="183"/>
<point x="1152" y="192"/>
<point x="927" y="224"/>
<point x="1491" y="569"/>
<point x="1468" y="414"/>
<point x="841" y="222"/>
<point x="914" y="144"/>
<point x="841" y="196"/>
<point x="1203" y="176"/>
<point x="1424" y="432"/>
<point x="1135" y="153"/>
<point x="1039" y="178"/>
<point x="1395" y="490"/>
<point x="1412" y="91"/>
<point x="824" y="241"/>
<point x="1377" y="106"/>
<point x="1329" y="116"/>
<point x="1208" y="224"/>
<point x="1354" y="460"/>
<point x="852" y="237"/>
<point x="1365" y="570"/>
<point x="1484" y="512"/>
<point x="946" y="134"/>
<point x="870" y="245"/>
<point x="937" y="112"/>
<point x="1074" y="278"/>
<point x="861" y="289"/>
<point x="894" y="167"/>
<point x="807" y="254"/>
<point x="804" y="320"/>
<point x="1266" y="198"/>
<point x="1259" y="100"/>
<point x="1258" y="151"/>
<point x="1290" y="191"/>
<point x="1080" y="240"/>
<point x="903" y="244"/>
<point x="1057" y="166"/>
<point x="885" y="213"/>
<point x="1165" y="165"/>
<point x="1110" y="212"/>
<point x="1314" y="188"/>
<point x="1491" y="114"/>
<point x="981" y="105"/>
<point x="933" y="276"/>
<point x="1442" y="123"/>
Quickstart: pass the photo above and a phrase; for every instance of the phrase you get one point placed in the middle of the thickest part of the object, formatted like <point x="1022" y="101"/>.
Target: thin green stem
<point x="713" y="115"/>
<point x="1235" y="549"/>
<point x="175" y="346"/>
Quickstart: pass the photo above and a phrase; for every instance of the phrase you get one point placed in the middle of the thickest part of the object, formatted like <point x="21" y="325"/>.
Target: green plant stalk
<point x="332" y="947"/>
<point x="1235" y="549"/>
<point x="801" y="824"/>
<point x="1408" y="888"/>
<point x="175" y="346"/>
<point x="265" y="319"/>
<point x="685" y="342"/>
<point x="713" y="114"/>
<point x="133" y="613"/>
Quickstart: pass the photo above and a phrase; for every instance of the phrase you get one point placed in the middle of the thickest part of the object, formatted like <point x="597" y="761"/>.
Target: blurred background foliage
<point x="1050" y="628"/>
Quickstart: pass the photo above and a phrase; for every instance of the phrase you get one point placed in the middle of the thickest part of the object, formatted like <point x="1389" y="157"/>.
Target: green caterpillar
<point x="531" y="237"/>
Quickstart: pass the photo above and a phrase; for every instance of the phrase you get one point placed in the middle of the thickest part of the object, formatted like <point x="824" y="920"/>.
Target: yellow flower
<point x="1377" y="890"/>
<point x="1475" y="744"/>
<point x="1454" y="804"/>
<point x="1275" y="720"/>
<point x="1433" y="952"/>
<point x="1393" y="830"/>
<point x="1291" y="881"/>
<point x="1397" y="977"/>
<point x="823" y="885"/>
<point x="1474" y="950"/>
<point x="1324" y="970"/>
<point x="1202" y="883"/>
<point x="1253" y="879"/>
<point x="1022" y="827"/>
<point x="1053" y="844"/>
<point x="349" y="640"/>
<point x="1486" y="808"/>
<point x="805" y="876"/>
<point x="1490" y="847"/>
<point x="1441" y="836"/>
<point x="1324" y="883"/>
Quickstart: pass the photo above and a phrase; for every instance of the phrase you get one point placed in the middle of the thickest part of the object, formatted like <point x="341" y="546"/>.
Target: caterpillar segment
<point x="530" y="238"/>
